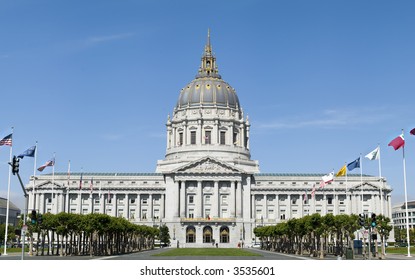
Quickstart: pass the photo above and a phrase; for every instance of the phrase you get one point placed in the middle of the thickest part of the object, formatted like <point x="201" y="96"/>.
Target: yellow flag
<point x="342" y="171"/>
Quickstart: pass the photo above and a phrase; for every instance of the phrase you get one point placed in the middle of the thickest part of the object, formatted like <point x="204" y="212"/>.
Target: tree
<point x="383" y="225"/>
<point x="164" y="235"/>
<point x="10" y="232"/>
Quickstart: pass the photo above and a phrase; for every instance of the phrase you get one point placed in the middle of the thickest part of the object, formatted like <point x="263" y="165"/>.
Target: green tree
<point x="164" y="235"/>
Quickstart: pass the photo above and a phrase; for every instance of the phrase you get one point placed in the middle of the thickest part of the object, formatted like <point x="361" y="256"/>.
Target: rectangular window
<point x="329" y="200"/>
<point x="207" y="199"/>
<point x="192" y="137"/>
<point x="223" y="138"/>
<point x="180" y="138"/>
<point x="208" y="137"/>
<point x="144" y="215"/>
<point x="191" y="213"/>
<point x="235" y="138"/>
<point x="191" y="199"/>
<point x="224" y="199"/>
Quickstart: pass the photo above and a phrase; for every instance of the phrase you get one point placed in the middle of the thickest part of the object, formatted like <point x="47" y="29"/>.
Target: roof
<point x="3" y="204"/>
<point x="302" y="175"/>
<point x="104" y="174"/>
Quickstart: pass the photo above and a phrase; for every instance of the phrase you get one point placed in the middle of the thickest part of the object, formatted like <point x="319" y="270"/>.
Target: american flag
<point x="6" y="141"/>
<point x="313" y="191"/>
<point x="50" y="162"/>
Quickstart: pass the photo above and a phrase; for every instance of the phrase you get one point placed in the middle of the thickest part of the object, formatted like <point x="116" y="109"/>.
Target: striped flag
<point x="50" y="162"/>
<point x="313" y="191"/>
<point x="6" y="141"/>
<point x="305" y="197"/>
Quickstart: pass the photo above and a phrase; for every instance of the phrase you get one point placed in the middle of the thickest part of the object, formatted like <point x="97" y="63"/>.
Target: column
<point x="138" y="209"/>
<point x="253" y="213"/>
<point x="150" y="207"/>
<point x="232" y="200"/>
<point x="91" y="203"/>
<point x="62" y="203"/>
<point x="265" y="207"/>
<point x="215" y="200"/>
<point x="277" y="207"/>
<point x="127" y="206"/>
<point x="324" y="204"/>
<point x="182" y="190"/>
<point x="313" y="205"/>
<point x="301" y="208"/>
<point x="115" y="203"/>
<point x="199" y="200"/>
<point x="79" y="202"/>
<point x="162" y="207"/>
<point x="102" y="203"/>
<point x="239" y="199"/>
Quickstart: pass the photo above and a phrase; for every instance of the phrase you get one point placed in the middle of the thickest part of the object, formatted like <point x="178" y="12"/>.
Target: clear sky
<point x="321" y="81"/>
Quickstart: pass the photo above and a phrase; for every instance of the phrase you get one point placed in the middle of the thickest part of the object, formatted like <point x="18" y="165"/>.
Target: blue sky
<point x="321" y="81"/>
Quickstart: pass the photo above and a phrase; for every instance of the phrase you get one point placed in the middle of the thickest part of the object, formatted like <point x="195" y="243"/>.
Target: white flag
<point x="373" y="154"/>
<point x="328" y="178"/>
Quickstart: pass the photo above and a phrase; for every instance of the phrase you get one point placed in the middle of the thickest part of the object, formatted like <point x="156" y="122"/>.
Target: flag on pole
<point x="354" y="164"/>
<point x="305" y="197"/>
<point x="28" y="153"/>
<point x="7" y="141"/>
<point x="50" y="162"/>
<point x="412" y="131"/>
<point x="398" y="142"/>
<point x="91" y="186"/>
<point x="326" y="179"/>
<point x="342" y="171"/>
<point x="80" y="182"/>
<point x="373" y="155"/>
<point x="313" y="191"/>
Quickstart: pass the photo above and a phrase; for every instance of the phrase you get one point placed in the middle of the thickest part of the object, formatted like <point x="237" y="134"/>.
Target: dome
<point x="208" y="89"/>
<point x="207" y="92"/>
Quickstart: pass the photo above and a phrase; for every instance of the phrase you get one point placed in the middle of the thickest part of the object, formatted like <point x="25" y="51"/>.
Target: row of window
<point x="208" y="138"/>
<point x="207" y="235"/>
<point x="207" y="199"/>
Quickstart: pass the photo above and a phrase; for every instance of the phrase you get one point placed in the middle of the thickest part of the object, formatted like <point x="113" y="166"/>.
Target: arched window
<point x="224" y="234"/>
<point x="207" y="234"/>
<point x="190" y="234"/>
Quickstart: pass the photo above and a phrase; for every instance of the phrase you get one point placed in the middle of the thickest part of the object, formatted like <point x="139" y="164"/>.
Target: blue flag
<point x="354" y="164"/>
<point x="28" y="153"/>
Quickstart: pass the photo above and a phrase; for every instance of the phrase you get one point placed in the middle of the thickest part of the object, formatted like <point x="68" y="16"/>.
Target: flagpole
<point x="334" y="196"/>
<point x="361" y="179"/>
<point x="348" y="209"/>
<point x="34" y="179"/>
<point x="67" y="187"/>
<point x="8" y="198"/>
<point x="406" y="201"/>
<point x="53" y="182"/>
<point x="381" y="183"/>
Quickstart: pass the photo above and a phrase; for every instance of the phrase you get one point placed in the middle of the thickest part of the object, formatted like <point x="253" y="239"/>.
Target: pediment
<point x="208" y="165"/>
<point x="366" y="186"/>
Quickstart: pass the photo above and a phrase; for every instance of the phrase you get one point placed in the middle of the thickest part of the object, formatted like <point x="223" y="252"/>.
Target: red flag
<point x="412" y="131"/>
<point x="397" y="142"/>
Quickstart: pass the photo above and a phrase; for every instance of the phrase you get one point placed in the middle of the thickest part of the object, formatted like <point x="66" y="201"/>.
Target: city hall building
<point x="207" y="189"/>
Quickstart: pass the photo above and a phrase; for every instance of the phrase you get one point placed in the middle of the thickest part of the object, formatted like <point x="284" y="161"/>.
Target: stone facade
<point x="207" y="189"/>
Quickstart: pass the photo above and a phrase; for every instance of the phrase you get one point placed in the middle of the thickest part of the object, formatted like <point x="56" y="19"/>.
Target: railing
<point x="213" y="220"/>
